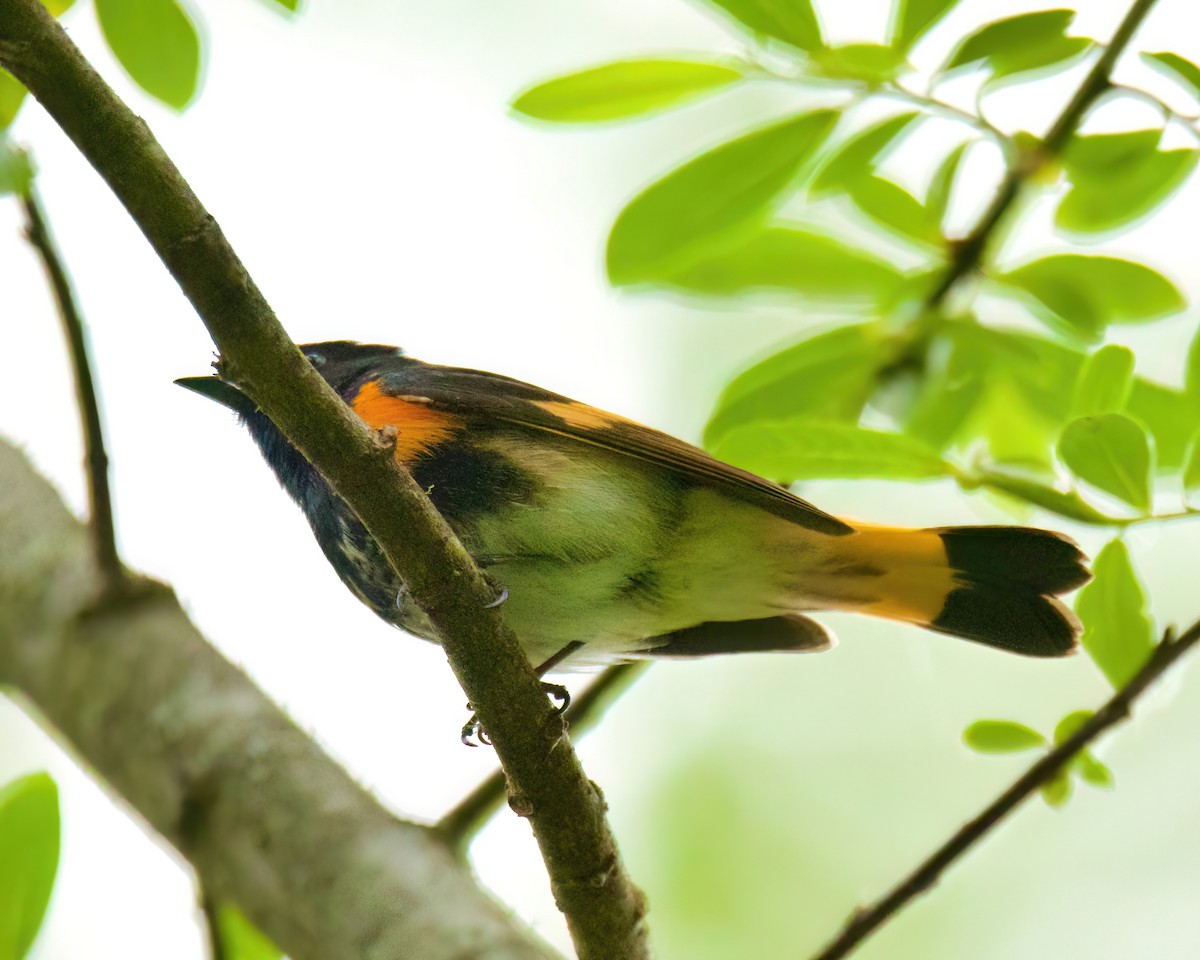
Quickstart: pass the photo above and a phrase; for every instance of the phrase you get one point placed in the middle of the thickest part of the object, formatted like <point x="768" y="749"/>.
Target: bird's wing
<point x="448" y="399"/>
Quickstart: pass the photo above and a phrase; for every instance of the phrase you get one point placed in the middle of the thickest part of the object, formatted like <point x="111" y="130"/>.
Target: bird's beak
<point x="223" y="393"/>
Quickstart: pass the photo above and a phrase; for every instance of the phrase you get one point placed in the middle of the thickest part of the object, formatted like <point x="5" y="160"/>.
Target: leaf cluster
<point x="919" y="380"/>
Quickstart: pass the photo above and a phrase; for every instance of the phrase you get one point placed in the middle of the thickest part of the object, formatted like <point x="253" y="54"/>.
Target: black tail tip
<point x="1049" y="562"/>
<point x="1009" y="578"/>
<point x="1014" y="619"/>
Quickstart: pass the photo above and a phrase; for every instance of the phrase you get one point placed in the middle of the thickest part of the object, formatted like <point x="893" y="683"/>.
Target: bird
<point x="607" y="540"/>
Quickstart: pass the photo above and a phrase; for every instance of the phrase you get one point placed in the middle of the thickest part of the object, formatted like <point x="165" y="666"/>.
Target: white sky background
<point x="362" y="161"/>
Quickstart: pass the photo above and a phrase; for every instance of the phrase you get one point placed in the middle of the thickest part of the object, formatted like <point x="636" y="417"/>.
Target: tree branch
<point x="472" y="813"/>
<point x="867" y="921"/>
<point x="969" y="253"/>
<point x="100" y="512"/>
<point x="604" y="910"/>
<point x="266" y="818"/>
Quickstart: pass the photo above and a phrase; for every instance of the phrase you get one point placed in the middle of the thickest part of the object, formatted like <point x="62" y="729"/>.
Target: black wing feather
<point x="482" y="398"/>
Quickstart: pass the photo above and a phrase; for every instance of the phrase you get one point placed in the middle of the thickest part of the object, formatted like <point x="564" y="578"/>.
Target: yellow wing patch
<point x="419" y="424"/>
<point x="579" y="415"/>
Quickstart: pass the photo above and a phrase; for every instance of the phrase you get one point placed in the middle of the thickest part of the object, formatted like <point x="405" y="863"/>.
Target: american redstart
<point x="609" y="539"/>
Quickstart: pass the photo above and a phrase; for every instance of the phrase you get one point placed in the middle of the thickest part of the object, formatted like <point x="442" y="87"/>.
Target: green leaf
<point x="791" y="21"/>
<point x="709" y="199"/>
<point x="1001" y="736"/>
<point x="157" y="44"/>
<point x="1110" y="452"/>
<point x="1043" y="59"/>
<point x="868" y="62"/>
<point x="1012" y="37"/>
<point x="938" y="199"/>
<point x="944" y="404"/>
<point x="1100" y="156"/>
<point x="1084" y="294"/>
<point x="858" y="155"/>
<point x="16" y="169"/>
<point x="627" y="88"/>
<point x="1057" y="790"/>
<point x="1116" y="179"/>
<point x="1104" y="383"/>
<point x="806" y="449"/>
<point x="1069" y="505"/>
<point x="1184" y="72"/>
<point x="1092" y="771"/>
<point x="1117" y="632"/>
<point x="893" y="207"/>
<point x="29" y="832"/>
<point x="58" y="7"/>
<point x="291" y="6"/>
<point x="241" y="939"/>
<point x="1169" y="415"/>
<point x="1069" y="725"/>
<point x="1044" y="372"/>
<point x="1018" y="431"/>
<point x="12" y="95"/>
<point x="1086" y="766"/>
<point x="827" y="376"/>
<point x="811" y="264"/>
<point x="912" y="19"/>
<point x="1191" y="469"/>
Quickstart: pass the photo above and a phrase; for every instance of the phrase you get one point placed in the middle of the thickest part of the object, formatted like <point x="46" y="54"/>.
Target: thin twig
<point x="948" y="110"/>
<point x="468" y="816"/>
<point x="968" y="253"/>
<point x="100" y="510"/>
<point x="861" y="90"/>
<point x="868" y="920"/>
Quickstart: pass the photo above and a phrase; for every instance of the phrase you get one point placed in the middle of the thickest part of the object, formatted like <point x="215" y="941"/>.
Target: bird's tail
<point x="994" y="585"/>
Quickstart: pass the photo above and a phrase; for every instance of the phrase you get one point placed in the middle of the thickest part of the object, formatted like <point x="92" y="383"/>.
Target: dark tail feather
<point x="792" y="632"/>
<point x="1007" y="581"/>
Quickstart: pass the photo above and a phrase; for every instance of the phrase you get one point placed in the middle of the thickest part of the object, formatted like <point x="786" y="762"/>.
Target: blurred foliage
<point x="915" y="384"/>
<point x="626" y="89"/>
<point x="16" y="169"/>
<point x="29" y="837"/>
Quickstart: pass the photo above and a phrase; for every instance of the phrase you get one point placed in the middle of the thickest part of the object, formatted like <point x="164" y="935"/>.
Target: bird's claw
<point x="473" y="734"/>
<point x="556" y="691"/>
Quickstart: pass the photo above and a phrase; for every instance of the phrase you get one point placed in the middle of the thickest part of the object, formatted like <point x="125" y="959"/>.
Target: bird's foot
<point x="473" y="734"/>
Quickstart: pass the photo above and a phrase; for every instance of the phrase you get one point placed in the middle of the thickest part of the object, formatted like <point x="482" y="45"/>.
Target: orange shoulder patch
<point x="419" y="424"/>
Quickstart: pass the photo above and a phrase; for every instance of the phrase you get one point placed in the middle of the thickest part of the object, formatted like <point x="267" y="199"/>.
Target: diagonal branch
<point x="472" y="813"/>
<point x="100" y="512"/>
<point x="266" y="818"/>
<point x="865" y="922"/>
<point x="969" y="253"/>
<point x="604" y="910"/>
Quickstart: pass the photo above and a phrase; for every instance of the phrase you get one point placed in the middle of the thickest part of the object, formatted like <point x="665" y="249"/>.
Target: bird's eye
<point x="316" y="359"/>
